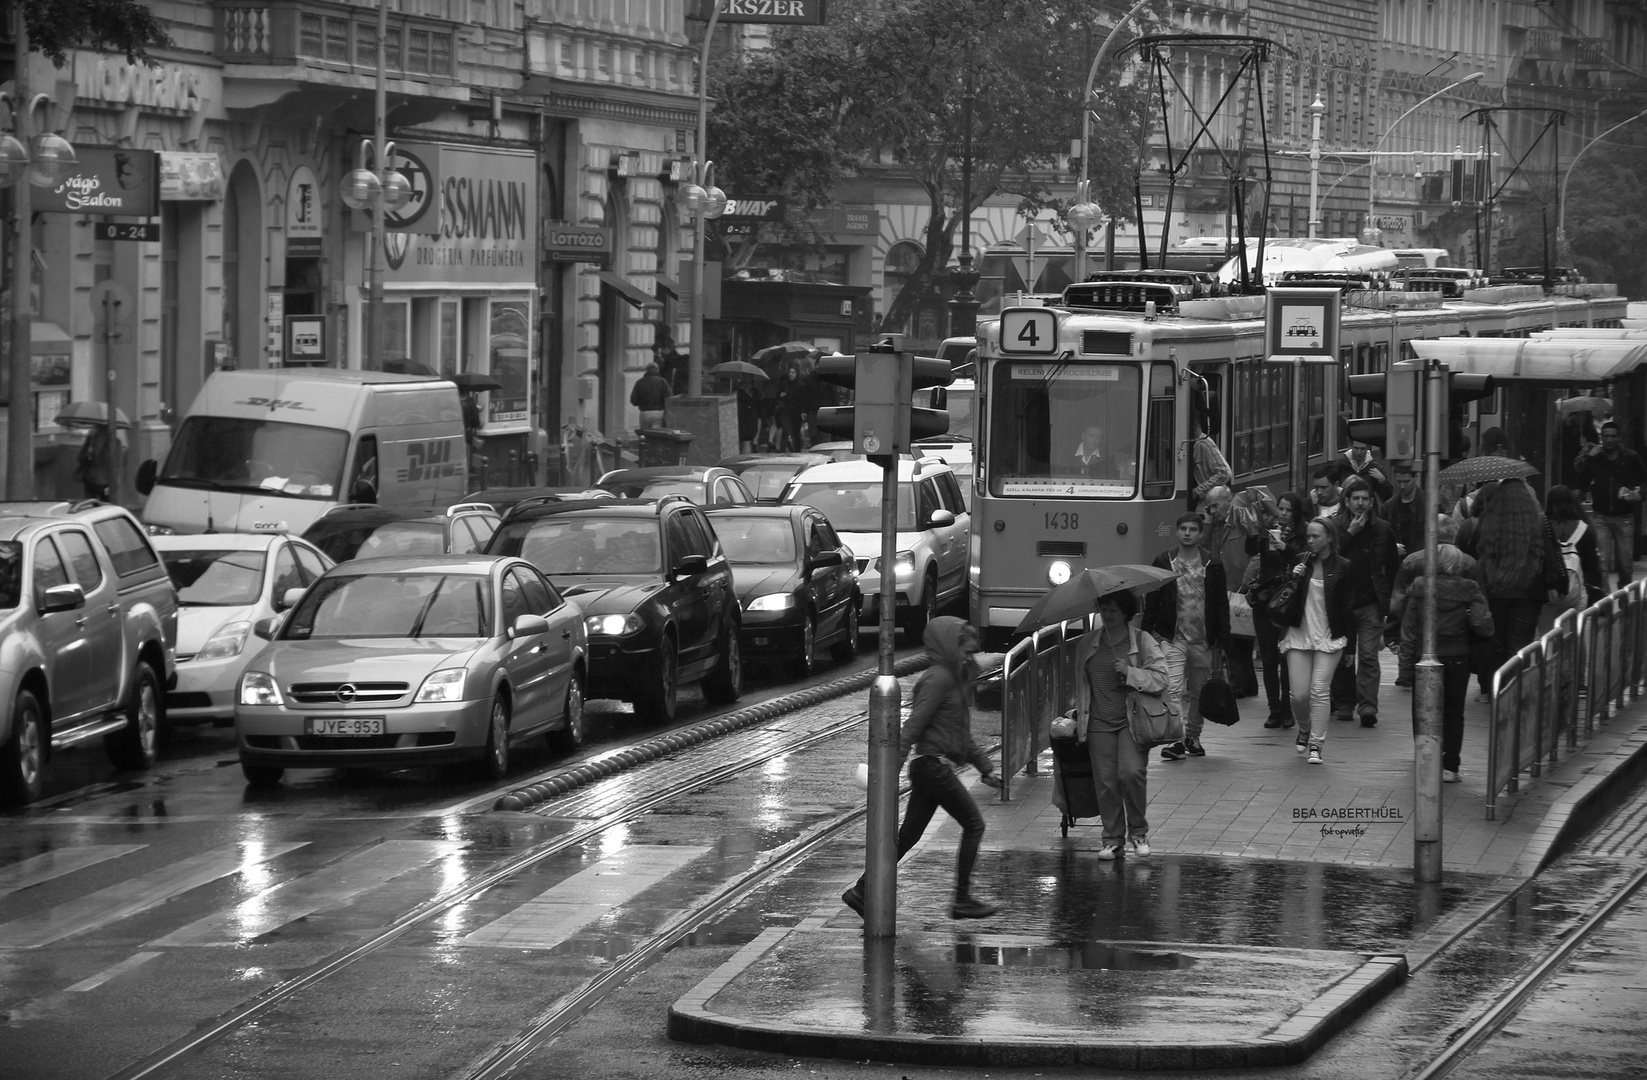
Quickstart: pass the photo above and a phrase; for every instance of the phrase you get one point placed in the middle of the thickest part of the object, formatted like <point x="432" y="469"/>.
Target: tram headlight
<point x="1058" y="572"/>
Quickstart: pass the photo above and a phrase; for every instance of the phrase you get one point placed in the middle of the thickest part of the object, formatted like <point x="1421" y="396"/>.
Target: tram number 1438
<point x="1062" y="519"/>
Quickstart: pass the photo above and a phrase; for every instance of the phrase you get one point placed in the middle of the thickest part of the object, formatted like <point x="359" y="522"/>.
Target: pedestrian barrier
<point x="1038" y="682"/>
<point x="1578" y="673"/>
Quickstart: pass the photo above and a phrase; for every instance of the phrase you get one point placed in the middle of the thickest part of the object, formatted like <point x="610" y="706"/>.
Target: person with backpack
<point x="1576" y="540"/>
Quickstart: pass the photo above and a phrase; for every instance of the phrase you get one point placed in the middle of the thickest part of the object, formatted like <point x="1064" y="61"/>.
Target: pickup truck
<point x="88" y="630"/>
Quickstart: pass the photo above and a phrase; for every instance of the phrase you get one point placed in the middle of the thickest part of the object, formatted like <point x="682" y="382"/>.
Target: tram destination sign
<point x="1302" y="323"/>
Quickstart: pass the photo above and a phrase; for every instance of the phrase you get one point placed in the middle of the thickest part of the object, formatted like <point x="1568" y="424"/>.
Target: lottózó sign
<point x="566" y="241"/>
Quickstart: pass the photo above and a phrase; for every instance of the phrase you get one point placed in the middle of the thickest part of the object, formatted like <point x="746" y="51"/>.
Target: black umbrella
<point x="471" y="382"/>
<point x="1479" y="470"/>
<point x="1079" y="595"/>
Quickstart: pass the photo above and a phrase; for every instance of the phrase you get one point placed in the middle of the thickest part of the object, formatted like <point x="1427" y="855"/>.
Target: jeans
<point x="1188" y="665"/>
<point x="1515" y="622"/>
<point x="932" y="783"/>
<point x="1273" y="664"/>
<point x="1616" y="544"/>
<point x="651" y="418"/>
<point x="1119" y="772"/>
<point x="1310" y="676"/>
<point x="1355" y="684"/>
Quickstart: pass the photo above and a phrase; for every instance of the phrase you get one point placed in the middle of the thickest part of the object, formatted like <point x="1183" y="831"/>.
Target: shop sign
<point x="760" y="208"/>
<point x="420" y="164"/>
<point x="566" y="241"/>
<point x="485" y="202"/>
<point x="792" y="12"/>
<point x="187" y="177"/>
<point x="110" y="80"/>
<point x="106" y="180"/>
<point x="864" y="220"/>
<point x="303" y="214"/>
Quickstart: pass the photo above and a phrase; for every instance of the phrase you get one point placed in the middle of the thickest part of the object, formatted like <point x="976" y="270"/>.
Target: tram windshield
<point x="1064" y="429"/>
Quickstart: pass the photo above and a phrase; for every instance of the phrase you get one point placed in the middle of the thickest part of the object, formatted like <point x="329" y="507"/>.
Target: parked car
<point x="363" y="531"/>
<point x="930" y="563"/>
<point x="766" y="475"/>
<point x="656" y="592"/>
<point x="836" y="450"/>
<point x="706" y="485"/>
<point x="226" y="582"/>
<point x="88" y="629"/>
<point x="504" y="499"/>
<point x="414" y="661"/>
<point x="796" y="580"/>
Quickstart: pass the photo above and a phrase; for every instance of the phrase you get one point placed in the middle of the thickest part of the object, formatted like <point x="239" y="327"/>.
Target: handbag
<point x="1217" y="700"/>
<point x="1153" y="719"/>
<point x="1286" y="604"/>
<point x="1241" y="617"/>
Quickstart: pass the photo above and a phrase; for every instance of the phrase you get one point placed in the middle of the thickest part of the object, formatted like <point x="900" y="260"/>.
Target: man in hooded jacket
<point x="939" y="730"/>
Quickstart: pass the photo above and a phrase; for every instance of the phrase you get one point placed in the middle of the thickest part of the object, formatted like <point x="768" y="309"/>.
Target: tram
<point x="1086" y="405"/>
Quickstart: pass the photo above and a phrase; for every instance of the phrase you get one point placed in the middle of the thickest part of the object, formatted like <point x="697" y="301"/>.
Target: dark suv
<point x="655" y="589"/>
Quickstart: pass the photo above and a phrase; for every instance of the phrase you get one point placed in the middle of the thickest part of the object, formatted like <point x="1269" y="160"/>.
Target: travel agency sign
<point x="473" y="217"/>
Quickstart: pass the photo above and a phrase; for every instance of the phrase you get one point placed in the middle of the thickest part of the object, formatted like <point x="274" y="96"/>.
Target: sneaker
<point x="1175" y="752"/>
<point x="1449" y="776"/>
<point x="854" y="899"/>
<point x="1302" y="744"/>
<point x="1315" y="755"/>
<point x="1140" y="845"/>
<point x="1193" y="748"/>
<point x="1109" y="852"/>
<point x="972" y="908"/>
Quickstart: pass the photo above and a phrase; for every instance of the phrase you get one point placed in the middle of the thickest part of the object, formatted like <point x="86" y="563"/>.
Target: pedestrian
<point x="1511" y="539"/>
<point x="1405" y="512"/>
<point x="1461" y="614"/>
<point x="1227" y="531"/>
<point x="939" y="730"/>
<point x="1313" y="645"/>
<point x="749" y="416"/>
<point x="1324" y="493"/>
<point x="649" y="396"/>
<point x="1576" y="540"/>
<point x="91" y="466"/>
<point x="1209" y="466"/>
<point x="1189" y="617"/>
<point x="1274" y="550"/>
<point x="1358" y="460"/>
<point x="1613" y="478"/>
<point x="1368" y="545"/>
<point x="1113" y="659"/>
<point x="1409" y="571"/>
<point x="790" y="411"/>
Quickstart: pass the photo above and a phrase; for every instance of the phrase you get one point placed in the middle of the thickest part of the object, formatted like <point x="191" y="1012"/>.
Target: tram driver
<point x="1090" y="455"/>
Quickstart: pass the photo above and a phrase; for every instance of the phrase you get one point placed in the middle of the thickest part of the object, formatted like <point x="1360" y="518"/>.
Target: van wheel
<point x="726" y="684"/>
<point x="570" y="737"/>
<point x="23" y="758"/>
<point x="262" y="776"/>
<point x="137" y="745"/>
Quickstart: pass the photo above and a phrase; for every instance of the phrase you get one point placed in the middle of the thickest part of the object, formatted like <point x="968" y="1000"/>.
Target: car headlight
<point x="903" y="566"/>
<point x="612" y="625"/>
<point x="258" y="688"/>
<point x="772" y="602"/>
<point x="161" y="530"/>
<point x="229" y="639"/>
<point x="443" y="685"/>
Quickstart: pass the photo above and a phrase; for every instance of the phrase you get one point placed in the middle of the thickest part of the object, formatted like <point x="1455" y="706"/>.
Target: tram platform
<point x="1278" y="904"/>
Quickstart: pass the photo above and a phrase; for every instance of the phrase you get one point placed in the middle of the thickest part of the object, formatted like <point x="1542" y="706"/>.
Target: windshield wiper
<point x="210" y="485"/>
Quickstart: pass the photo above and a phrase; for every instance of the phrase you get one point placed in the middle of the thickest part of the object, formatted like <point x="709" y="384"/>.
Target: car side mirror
<point x="529" y="626"/>
<point x="691" y="565"/>
<point x="146" y="474"/>
<point x="288" y="599"/>
<point x="940" y="519"/>
<point x="265" y="628"/>
<point x="63" y="598"/>
<point x="823" y="559"/>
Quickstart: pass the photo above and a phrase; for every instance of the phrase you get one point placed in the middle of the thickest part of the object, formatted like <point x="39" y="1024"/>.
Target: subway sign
<point x="792" y="12"/>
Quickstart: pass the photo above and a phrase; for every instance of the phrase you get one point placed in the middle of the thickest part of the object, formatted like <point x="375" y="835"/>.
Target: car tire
<point x="569" y="737"/>
<point x="495" y="765"/>
<point x="925" y="611"/>
<point x="805" y="661"/>
<point x="846" y="650"/>
<point x="657" y="704"/>
<point x="23" y="758"/>
<point x="137" y="745"/>
<point x="262" y="776"/>
<point x="724" y="685"/>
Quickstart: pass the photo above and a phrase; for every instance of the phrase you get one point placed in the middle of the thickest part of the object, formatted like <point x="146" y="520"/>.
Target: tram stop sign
<point x="1302" y="323"/>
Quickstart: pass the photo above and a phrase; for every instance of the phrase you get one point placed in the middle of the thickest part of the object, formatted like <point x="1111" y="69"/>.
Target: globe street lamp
<point x="1561" y="198"/>
<point x="699" y="202"/>
<point x="377" y="191"/>
<point x="1372" y="176"/>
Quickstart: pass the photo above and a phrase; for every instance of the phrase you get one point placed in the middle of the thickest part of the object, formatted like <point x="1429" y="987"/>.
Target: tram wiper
<point x="1060" y="363"/>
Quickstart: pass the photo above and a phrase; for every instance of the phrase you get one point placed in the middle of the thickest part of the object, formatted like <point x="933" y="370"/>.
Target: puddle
<point x="1090" y="956"/>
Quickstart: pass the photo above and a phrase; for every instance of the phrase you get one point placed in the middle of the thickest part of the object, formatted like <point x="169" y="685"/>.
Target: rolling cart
<point x="1072" y="772"/>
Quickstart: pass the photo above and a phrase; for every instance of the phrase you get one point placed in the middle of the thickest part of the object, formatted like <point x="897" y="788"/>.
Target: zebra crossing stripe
<point x="55" y="864"/>
<point x="135" y="895"/>
<point x="331" y="886"/>
<point x="135" y="960"/>
<point x="559" y="912"/>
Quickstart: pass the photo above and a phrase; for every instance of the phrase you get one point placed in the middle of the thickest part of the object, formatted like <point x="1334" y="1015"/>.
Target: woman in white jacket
<point x="1111" y="660"/>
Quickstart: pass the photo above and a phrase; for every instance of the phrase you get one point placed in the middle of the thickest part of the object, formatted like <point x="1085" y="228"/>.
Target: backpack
<point x="1575" y="598"/>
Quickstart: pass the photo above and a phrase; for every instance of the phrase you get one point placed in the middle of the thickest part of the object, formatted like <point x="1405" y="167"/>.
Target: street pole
<point x="1372" y="172"/>
<point x="1082" y="191"/>
<point x="694" y="353"/>
<point x="885" y="700"/>
<point x="1316" y="109"/>
<point x="380" y="136"/>
<point x="1561" y="199"/>
<point x="20" y="412"/>
<point x="963" y="306"/>
<point x="1427" y="681"/>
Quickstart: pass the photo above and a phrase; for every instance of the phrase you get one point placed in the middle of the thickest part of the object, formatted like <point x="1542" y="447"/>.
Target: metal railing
<point x="1576" y="675"/>
<point x="1038" y="682"/>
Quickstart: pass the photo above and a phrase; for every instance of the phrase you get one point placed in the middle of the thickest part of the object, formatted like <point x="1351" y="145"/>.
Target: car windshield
<point x="1064" y="429"/>
<point x="767" y="481"/>
<point x="855" y="506"/>
<point x="759" y="540"/>
<point x="404" y="538"/>
<point x="11" y="573"/>
<point x="208" y="578"/>
<point x="238" y="454"/>
<point x="583" y="545"/>
<point x="411" y="605"/>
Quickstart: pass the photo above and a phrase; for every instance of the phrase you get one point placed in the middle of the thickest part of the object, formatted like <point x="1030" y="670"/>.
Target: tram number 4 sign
<point x="127" y="230"/>
<point x="1029" y="331"/>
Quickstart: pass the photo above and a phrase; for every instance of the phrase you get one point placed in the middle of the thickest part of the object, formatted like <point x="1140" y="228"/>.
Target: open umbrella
<point x="1079" y="596"/>
<point x="738" y="367"/>
<point x="789" y="350"/>
<point x="86" y="414"/>
<point x="470" y="382"/>
<point x="1479" y="470"/>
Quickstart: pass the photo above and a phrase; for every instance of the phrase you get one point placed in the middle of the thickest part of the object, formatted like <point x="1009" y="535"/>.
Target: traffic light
<point x="1396" y="392"/>
<point x="881" y="421"/>
<point x="1458" y="389"/>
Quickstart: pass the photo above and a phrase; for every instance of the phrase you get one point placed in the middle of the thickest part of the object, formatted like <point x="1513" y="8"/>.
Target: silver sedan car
<point x="414" y="661"/>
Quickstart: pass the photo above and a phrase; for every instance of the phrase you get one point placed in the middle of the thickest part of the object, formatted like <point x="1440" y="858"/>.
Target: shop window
<point x="396" y="334"/>
<point x="509" y="350"/>
<point x="448" y="337"/>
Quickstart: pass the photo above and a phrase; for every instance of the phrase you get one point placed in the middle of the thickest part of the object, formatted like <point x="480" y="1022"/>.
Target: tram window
<point x="1315" y="407"/>
<point x="1067" y="429"/>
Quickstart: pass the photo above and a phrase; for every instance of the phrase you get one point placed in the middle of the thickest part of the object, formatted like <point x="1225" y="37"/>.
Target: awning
<point x="669" y="285"/>
<point x="1561" y="362"/>
<point x="1590" y="333"/>
<point x="621" y="285"/>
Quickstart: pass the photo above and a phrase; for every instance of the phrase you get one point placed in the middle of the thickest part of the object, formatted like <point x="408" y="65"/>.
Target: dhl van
<point x="270" y="450"/>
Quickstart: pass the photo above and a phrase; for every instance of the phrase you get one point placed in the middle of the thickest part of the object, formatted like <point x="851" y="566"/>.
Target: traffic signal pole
<point x="1427" y="678"/>
<point x="885" y="698"/>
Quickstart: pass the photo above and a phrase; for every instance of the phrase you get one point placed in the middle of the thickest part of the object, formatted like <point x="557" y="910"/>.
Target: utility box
<point x="663" y="446"/>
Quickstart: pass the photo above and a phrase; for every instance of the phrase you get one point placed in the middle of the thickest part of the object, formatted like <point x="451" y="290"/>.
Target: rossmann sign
<point x="794" y="12"/>
<point x="475" y="221"/>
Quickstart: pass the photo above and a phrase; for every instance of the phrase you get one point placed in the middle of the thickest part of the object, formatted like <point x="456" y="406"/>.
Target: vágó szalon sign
<point x="106" y="180"/>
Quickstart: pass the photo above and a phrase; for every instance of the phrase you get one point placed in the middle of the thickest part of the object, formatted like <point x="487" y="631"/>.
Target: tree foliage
<point x="119" y="26"/>
<point x="886" y="83"/>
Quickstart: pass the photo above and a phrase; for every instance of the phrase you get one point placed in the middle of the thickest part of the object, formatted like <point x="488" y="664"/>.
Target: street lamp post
<point x="963" y="306"/>
<point x="1561" y="198"/>
<point x="700" y="202"/>
<point x="1084" y="214"/>
<point x="1372" y="174"/>
<point x="1316" y="109"/>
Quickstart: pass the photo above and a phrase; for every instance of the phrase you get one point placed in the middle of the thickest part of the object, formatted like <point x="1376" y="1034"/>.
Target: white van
<point x="270" y="450"/>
